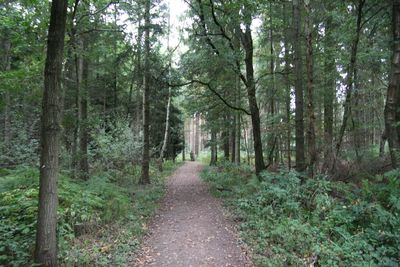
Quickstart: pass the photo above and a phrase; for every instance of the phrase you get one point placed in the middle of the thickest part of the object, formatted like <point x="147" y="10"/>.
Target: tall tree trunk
<point x="237" y="137"/>
<point x="184" y="142"/>
<point x="382" y="144"/>
<point x="356" y="118"/>
<point x="312" y="152"/>
<point x="145" y="178"/>
<point x="6" y="66"/>
<point x="247" y="42"/>
<point x="350" y="80"/>
<point x="299" y="116"/>
<point x="197" y="134"/>
<point x="232" y="136"/>
<point x="236" y="43"/>
<point x="166" y="132"/>
<point x="272" y="136"/>
<point x="287" y="89"/>
<point x="78" y="51"/>
<point x="225" y="140"/>
<point x="392" y="116"/>
<point x="329" y="92"/>
<point x="83" y="133"/>
<point x="115" y="69"/>
<point x="46" y="241"/>
<point x="139" y="78"/>
<point x="213" y="146"/>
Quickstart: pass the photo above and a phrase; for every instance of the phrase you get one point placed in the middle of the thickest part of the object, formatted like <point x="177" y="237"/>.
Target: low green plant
<point x="96" y="218"/>
<point x="18" y="213"/>
<point x="290" y="221"/>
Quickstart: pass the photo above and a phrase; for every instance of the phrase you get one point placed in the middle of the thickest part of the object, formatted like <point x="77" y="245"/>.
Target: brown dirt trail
<point x="190" y="228"/>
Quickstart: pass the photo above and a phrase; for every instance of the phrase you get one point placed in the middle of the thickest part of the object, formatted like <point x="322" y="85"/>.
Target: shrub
<point x="318" y="221"/>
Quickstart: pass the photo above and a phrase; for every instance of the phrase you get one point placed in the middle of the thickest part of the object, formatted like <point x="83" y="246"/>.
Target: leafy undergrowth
<point x="100" y="221"/>
<point x="317" y="222"/>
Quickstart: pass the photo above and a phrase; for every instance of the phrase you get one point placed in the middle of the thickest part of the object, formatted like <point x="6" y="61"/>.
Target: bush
<point x="318" y="221"/>
<point x="79" y="205"/>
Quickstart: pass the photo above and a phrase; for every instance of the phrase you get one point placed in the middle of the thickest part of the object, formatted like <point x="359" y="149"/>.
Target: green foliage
<point x="18" y="212"/>
<point x="114" y="145"/>
<point x="293" y="223"/>
<point x="114" y="243"/>
<point x="83" y="208"/>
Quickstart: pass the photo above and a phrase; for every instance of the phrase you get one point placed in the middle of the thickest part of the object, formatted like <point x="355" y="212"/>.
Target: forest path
<point x="190" y="228"/>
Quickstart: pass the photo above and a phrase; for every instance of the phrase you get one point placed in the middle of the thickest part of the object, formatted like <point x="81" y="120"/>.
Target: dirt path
<point x="190" y="228"/>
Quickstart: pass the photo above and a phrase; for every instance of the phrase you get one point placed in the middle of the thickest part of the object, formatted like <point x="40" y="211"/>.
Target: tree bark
<point x="83" y="133"/>
<point x="247" y="42"/>
<point x="312" y="152"/>
<point x="287" y="88"/>
<point x="184" y="142"/>
<point x="213" y="147"/>
<point x="392" y="112"/>
<point x="78" y="51"/>
<point x="46" y="241"/>
<point x="225" y="140"/>
<point x="197" y="135"/>
<point x="139" y="77"/>
<point x="145" y="178"/>
<point x="350" y="80"/>
<point x="299" y="112"/>
<point x="329" y="92"/>
<point x="232" y="136"/>
<point x="272" y="140"/>
<point x="6" y="66"/>
<point x="237" y="137"/>
<point x="166" y="132"/>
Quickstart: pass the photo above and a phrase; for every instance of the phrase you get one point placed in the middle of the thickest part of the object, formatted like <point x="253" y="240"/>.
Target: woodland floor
<point x="190" y="228"/>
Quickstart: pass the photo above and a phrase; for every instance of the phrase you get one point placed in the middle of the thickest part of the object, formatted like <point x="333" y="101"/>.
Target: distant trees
<point x="93" y="98"/>
<point x="302" y="74"/>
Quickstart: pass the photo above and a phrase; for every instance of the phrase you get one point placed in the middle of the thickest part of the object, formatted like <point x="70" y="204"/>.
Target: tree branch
<point x="209" y="87"/>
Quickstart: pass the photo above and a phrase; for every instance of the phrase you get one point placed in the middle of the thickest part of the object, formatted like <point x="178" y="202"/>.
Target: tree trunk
<point x="46" y="241"/>
<point x="139" y="78"/>
<point x="78" y="51"/>
<point x="83" y="133"/>
<point x="184" y="142"/>
<point x="237" y="138"/>
<point x="197" y="134"/>
<point x="166" y="132"/>
<point x="272" y="136"/>
<point x="329" y="93"/>
<point x="225" y="140"/>
<point x="382" y="144"/>
<point x="349" y="80"/>
<point x="392" y="116"/>
<point x="236" y="43"/>
<point x="6" y="66"/>
<point x="312" y="152"/>
<point x="247" y="42"/>
<point x="145" y="178"/>
<point x="287" y="86"/>
<point x="232" y="136"/>
<point x="299" y="116"/>
<point x="213" y="146"/>
<point x="115" y="69"/>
